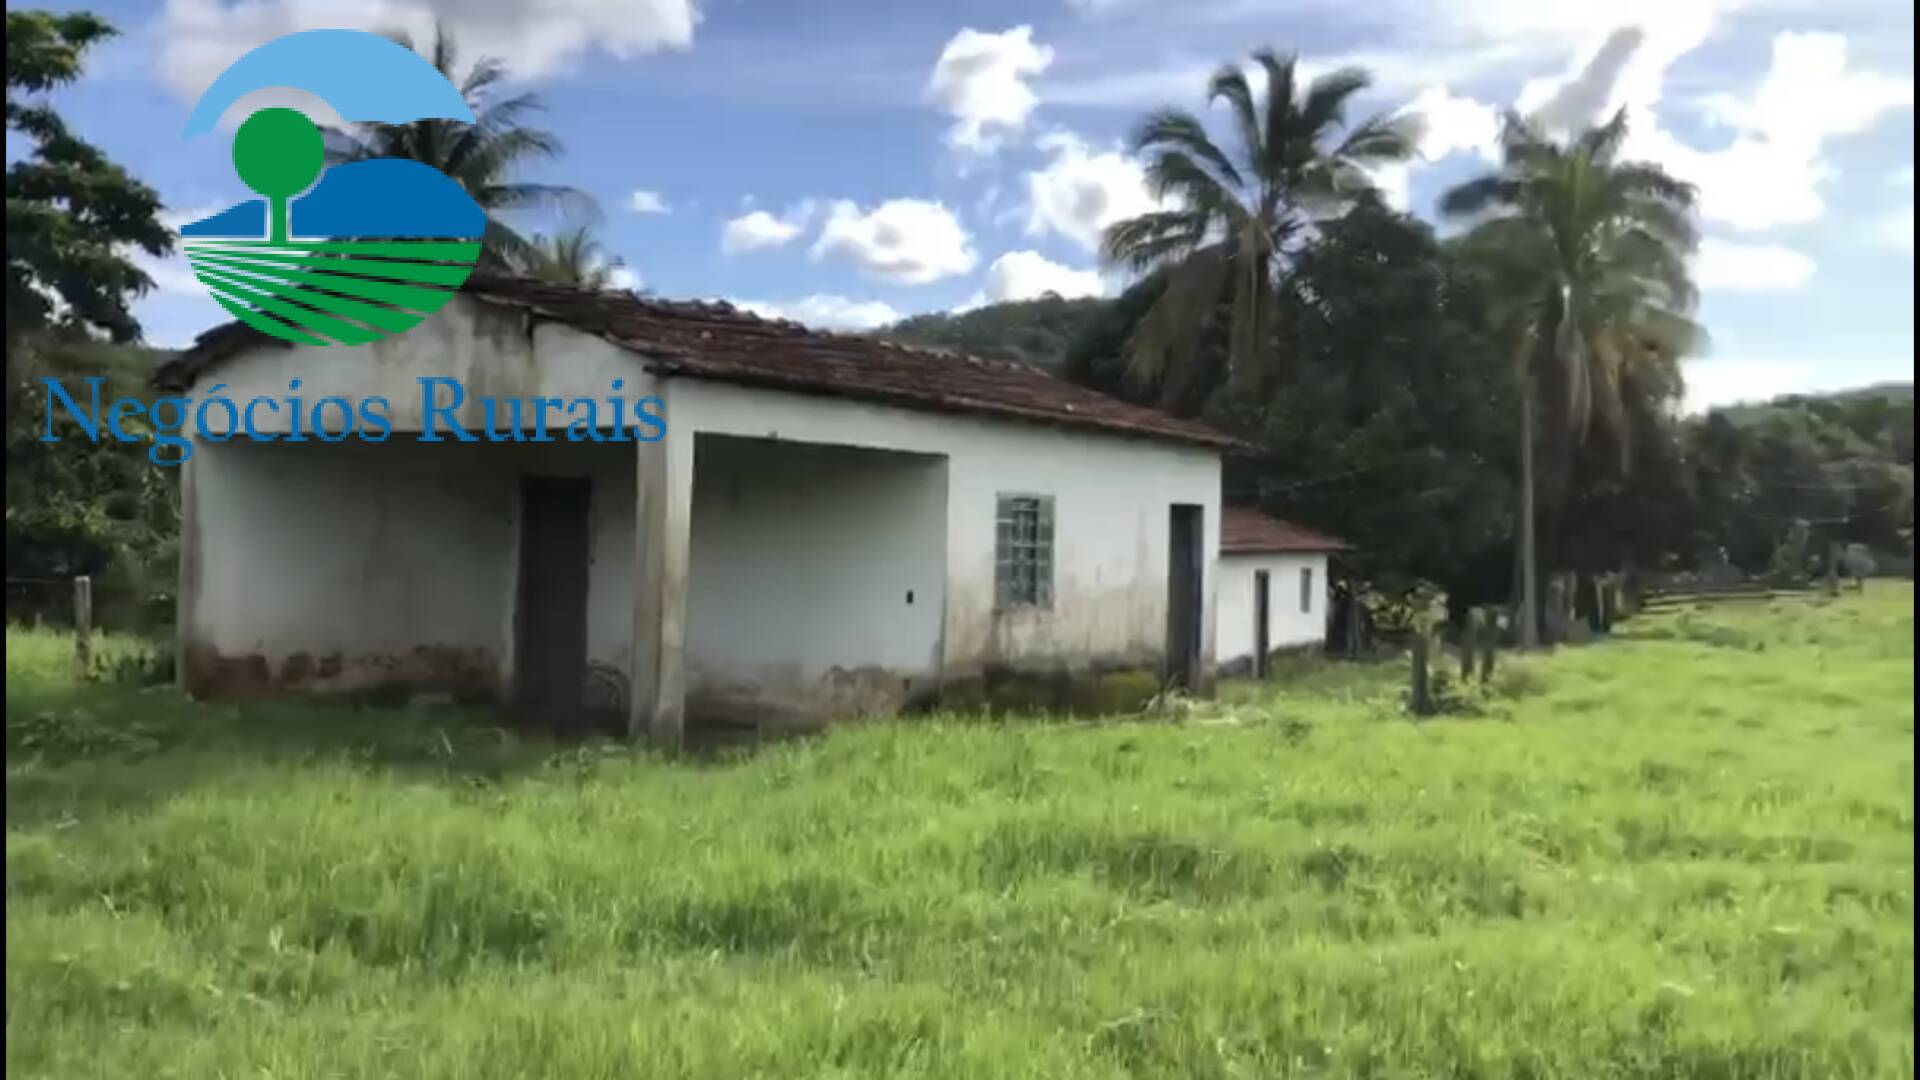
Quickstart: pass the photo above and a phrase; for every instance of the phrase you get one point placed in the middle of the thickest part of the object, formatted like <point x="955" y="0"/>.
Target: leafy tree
<point x="1387" y="425"/>
<point x="74" y="221"/>
<point x="1840" y="464"/>
<point x="487" y="158"/>
<point x="82" y="507"/>
<point x="1588" y="254"/>
<point x="572" y="257"/>
<point x="1233" y="220"/>
<point x="73" y="216"/>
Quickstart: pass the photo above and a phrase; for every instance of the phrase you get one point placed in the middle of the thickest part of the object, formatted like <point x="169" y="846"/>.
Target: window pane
<point x="1023" y="549"/>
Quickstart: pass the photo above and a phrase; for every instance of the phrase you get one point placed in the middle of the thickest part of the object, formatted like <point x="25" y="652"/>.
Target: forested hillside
<point x="1036" y="331"/>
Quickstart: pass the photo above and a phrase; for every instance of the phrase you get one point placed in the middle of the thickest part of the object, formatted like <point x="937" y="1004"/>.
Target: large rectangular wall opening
<point x="1186" y="545"/>
<point x="550" y="632"/>
<point x="817" y="584"/>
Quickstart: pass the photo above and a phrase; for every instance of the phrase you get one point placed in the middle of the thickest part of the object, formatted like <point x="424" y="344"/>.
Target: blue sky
<point x="849" y="162"/>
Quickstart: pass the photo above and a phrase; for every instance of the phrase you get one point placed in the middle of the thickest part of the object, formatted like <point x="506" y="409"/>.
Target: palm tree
<point x="572" y="257"/>
<point x="485" y="157"/>
<point x="1231" y="221"/>
<point x="1586" y="257"/>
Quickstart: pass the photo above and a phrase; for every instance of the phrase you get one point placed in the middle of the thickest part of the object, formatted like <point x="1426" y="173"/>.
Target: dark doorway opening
<point x="1186" y="541"/>
<point x="550" y="632"/>
<point x="1262" y="647"/>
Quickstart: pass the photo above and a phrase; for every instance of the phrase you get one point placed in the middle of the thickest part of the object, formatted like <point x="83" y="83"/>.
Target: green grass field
<point x="1683" y="852"/>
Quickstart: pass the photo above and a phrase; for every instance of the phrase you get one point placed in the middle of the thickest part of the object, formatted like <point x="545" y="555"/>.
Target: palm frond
<point x="1231" y="83"/>
<point x="1483" y="194"/>
<point x="1603" y="142"/>
<point x="1325" y="105"/>
<point x="1382" y="138"/>
<point x="1177" y="129"/>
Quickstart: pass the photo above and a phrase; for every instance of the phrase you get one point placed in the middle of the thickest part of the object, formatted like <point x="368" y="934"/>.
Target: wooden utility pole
<point x="1489" y="642"/>
<point x="83" y="625"/>
<point x="1417" y="701"/>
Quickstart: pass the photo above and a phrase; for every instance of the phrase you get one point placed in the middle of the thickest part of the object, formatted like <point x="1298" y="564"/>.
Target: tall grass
<point x="1684" y="852"/>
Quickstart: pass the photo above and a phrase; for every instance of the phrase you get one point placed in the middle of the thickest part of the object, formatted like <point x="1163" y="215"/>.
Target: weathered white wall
<point x="817" y="579"/>
<point x="301" y="549"/>
<point x="1288" y="624"/>
<point x="371" y="562"/>
<point x="1112" y="498"/>
<point x="343" y="567"/>
<point x="490" y="352"/>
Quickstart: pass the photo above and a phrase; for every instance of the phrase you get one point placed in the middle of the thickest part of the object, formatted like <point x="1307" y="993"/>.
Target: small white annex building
<point x="1273" y="589"/>
<point x="831" y="525"/>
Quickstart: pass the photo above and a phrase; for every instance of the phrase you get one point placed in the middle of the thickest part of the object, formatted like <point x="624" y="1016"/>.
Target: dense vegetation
<point x="1685" y="853"/>
<point x="1034" y="331"/>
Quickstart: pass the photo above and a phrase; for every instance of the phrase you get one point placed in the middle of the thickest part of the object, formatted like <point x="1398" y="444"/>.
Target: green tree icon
<point x="277" y="153"/>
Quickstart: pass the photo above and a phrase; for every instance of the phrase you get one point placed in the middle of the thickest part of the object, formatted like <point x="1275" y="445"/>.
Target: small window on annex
<point x="1023" y="551"/>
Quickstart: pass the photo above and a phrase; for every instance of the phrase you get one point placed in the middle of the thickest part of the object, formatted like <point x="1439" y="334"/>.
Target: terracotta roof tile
<point x="1247" y="531"/>
<point x="720" y="342"/>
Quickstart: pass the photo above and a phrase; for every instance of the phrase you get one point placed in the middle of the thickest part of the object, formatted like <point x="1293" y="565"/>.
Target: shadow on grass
<point x="80" y="749"/>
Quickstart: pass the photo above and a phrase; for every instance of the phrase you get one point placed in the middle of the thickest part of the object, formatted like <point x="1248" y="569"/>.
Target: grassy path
<point x="1685" y="852"/>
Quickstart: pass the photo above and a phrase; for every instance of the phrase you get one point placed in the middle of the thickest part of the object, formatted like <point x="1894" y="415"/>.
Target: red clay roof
<point x="1249" y="531"/>
<point x="718" y="341"/>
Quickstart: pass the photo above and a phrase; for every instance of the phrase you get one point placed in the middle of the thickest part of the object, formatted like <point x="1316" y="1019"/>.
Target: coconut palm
<point x="486" y="158"/>
<point x="1587" y="262"/>
<point x="1231" y="218"/>
<point x="572" y="257"/>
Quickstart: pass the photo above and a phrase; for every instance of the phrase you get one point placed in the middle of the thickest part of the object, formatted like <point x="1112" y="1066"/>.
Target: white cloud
<point x="1902" y="177"/>
<point x="199" y="38"/>
<point x="1719" y="381"/>
<point x="1025" y="275"/>
<point x="624" y="277"/>
<point x="647" y="202"/>
<point x="1894" y="229"/>
<point x="827" y="311"/>
<point x="903" y="241"/>
<point x="1732" y="266"/>
<point x="1772" y="170"/>
<point x="172" y="274"/>
<point x="1395" y="181"/>
<point x="757" y="229"/>
<point x="1455" y="125"/>
<point x="981" y="81"/>
<point x="1078" y="192"/>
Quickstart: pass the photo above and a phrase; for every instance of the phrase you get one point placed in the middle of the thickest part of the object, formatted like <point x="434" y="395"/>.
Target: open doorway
<point x="1185" y="543"/>
<point x="550" y="631"/>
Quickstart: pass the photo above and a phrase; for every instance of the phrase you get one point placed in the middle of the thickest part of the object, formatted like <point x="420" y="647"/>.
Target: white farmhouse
<point x="830" y="526"/>
<point x="1273" y="589"/>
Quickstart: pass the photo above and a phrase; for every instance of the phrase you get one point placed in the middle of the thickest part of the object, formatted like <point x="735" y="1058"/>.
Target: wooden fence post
<point x="1417" y="697"/>
<point x="1469" y="642"/>
<point x="1489" y="642"/>
<point x="83" y="625"/>
<point x="1833" y="568"/>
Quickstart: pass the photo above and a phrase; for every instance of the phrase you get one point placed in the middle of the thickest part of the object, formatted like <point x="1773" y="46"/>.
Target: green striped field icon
<point x="371" y="250"/>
